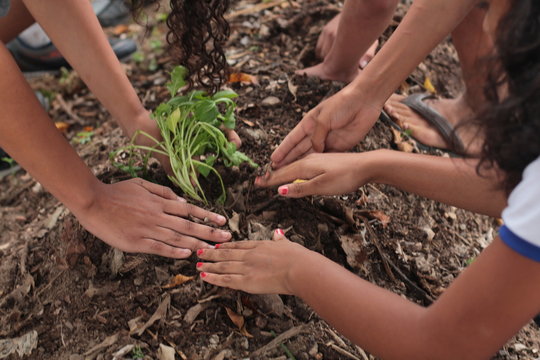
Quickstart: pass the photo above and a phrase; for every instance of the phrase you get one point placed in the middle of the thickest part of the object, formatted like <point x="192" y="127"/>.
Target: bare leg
<point x="472" y="45"/>
<point x="17" y="19"/>
<point x="360" y="24"/>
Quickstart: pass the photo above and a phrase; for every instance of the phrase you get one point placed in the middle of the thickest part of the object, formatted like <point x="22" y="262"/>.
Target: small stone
<point x="271" y="101"/>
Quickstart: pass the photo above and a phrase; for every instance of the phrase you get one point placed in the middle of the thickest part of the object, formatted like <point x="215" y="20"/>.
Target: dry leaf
<point x="402" y="145"/>
<point x="239" y="321"/>
<point x="353" y="248"/>
<point x="379" y="215"/>
<point x="120" y="29"/>
<point x="193" y="312"/>
<point x="248" y="123"/>
<point x="23" y="345"/>
<point x="293" y="89"/>
<point x="428" y="85"/>
<point x="160" y="313"/>
<point x="88" y="128"/>
<point x="239" y="77"/>
<point x="62" y="126"/>
<point x="165" y="352"/>
<point x="177" y="281"/>
<point x="234" y="223"/>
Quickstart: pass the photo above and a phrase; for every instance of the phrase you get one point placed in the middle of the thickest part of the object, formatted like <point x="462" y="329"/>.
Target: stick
<point x="278" y="340"/>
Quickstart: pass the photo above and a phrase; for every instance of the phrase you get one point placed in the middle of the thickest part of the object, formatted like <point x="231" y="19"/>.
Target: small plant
<point x="8" y="160"/>
<point x="137" y="353"/>
<point x="83" y="137"/>
<point x="191" y="127"/>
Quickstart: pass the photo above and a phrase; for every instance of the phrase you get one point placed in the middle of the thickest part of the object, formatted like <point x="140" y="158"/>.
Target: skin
<point x="472" y="319"/>
<point x="360" y="23"/>
<point x="147" y="218"/>
<point x="340" y="122"/>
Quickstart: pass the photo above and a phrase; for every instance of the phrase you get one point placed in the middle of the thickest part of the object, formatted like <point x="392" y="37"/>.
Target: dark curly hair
<point x="511" y="121"/>
<point x="197" y="34"/>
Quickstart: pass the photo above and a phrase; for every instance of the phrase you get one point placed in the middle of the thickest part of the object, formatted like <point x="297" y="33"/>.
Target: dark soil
<point x="86" y="300"/>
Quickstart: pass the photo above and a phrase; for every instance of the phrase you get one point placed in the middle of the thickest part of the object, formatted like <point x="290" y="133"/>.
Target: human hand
<point x="139" y="216"/>
<point x="337" y="124"/>
<point x="257" y="267"/>
<point x="322" y="174"/>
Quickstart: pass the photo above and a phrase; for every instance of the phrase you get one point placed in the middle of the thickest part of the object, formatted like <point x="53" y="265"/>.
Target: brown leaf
<point x="62" y="126"/>
<point x="239" y="77"/>
<point x="177" y="281"/>
<point x="160" y="313"/>
<point x="239" y="321"/>
<point x="402" y="144"/>
<point x="248" y="123"/>
<point x="120" y="29"/>
<point x="379" y="215"/>
<point x="428" y="85"/>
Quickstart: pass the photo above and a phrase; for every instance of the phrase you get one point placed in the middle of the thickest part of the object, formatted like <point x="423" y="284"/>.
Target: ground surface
<point x="86" y="300"/>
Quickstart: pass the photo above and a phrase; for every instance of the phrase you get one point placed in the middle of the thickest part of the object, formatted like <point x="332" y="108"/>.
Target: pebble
<point x="271" y="101"/>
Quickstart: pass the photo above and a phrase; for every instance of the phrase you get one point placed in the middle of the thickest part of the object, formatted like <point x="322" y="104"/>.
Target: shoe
<point x="48" y="58"/>
<point x="111" y="12"/>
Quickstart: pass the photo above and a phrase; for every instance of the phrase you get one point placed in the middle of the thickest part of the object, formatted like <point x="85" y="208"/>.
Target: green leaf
<point x="173" y="119"/>
<point x="206" y="111"/>
<point x="205" y="170"/>
<point x="178" y="79"/>
<point x="225" y="94"/>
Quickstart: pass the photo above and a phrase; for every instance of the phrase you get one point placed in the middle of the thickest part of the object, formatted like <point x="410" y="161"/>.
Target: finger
<point x="221" y="254"/>
<point x="185" y="209"/>
<point x="301" y="150"/>
<point x="297" y="134"/>
<point x="310" y="187"/>
<point x="233" y="137"/>
<point x="318" y="139"/>
<point x="279" y="235"/>
<point x="175" y="239"/>
<point x="158" y="190"/>
<point x="155" y="247"/>
<point x="287" y="174"/>
<point x="190" y="228"/>
<point x="229" y="281"/>
<point x="226" y="267"/>
<point x="321" y="43"/>
<point x="247" y="244"/>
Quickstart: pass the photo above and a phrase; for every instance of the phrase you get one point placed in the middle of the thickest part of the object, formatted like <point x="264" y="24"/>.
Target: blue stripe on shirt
<point x="518" y="244"/>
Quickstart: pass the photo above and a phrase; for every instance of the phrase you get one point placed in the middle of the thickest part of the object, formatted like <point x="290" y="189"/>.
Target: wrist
<point x="304" y="270"/>
<point x="374" y="166"/>
<point x="85" y="197"/>
<point x="138" y="120"/>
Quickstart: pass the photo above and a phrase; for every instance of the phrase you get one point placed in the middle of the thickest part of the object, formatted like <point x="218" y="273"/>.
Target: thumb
<point x="279" y="235"/>
<point x="299" y="189"/>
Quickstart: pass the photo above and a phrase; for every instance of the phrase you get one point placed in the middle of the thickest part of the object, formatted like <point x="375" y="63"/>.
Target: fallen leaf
<point x="239" y="77"/>
<point x="354" y="250"/>
<point x="428" y="85"/>
<point x="62" y="126"/>
<point x="248" y="123"/>
<point x="110" y="340"/>
<point x="379" y="215"/>
<point x="88" y="128"/>
<point x="402" y="144"/>
<point x="160" y="313"/>
<point x="23" y="345"/>
<point x="165" y="352"/>
<point x="293" y="89"/>
<point x="239" y="321"/>
<point x="234" y="223"/>
<point x="193" y="312"/>
<point x="178" y="280"/>
<point x="120" y="29"/>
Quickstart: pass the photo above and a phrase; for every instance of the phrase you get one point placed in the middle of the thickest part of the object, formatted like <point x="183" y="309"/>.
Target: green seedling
<point x="83" y="137"/>
<point x="138" y="57"/>
<point x="191" y="127"/>
<point x="137" y="353"/>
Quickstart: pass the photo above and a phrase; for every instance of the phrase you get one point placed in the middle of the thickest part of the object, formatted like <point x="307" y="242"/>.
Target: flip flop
<point x="435" y="119"/>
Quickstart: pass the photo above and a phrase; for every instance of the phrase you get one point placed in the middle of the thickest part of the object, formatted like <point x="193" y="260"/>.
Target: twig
<point x="285" y="349"/>
<point x="375" y="241"/>
<point x="343" y="352"/>
<point x="68" y="109"/>
<point x="362" y="352"/>
<point x="278" y="340"/>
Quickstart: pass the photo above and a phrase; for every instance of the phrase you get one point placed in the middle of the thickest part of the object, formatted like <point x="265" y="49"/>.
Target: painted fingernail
<point x="257" y="180"/>
<point x="283" y="190"/>
<point x="181" y="199"/>
<point x="217" y="246"/>
<point x="199" y="264"/>
<point x="203" y="274"/>
<point x="280" y="232"/>
<point x="199" y="252"/>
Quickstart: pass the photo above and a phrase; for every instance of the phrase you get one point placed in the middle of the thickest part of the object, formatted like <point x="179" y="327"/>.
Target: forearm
<point x="451" y="181"/>
<point x="361" y="22"/>
<point x="30" y="137"/>
<point x="81" y="40"/>
<point x="426" y="24"/>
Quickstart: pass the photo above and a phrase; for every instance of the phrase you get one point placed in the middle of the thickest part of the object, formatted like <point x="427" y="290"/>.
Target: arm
<point x="340" y="122"/>
<point x="451" y="181"/>
<point x="134" y="215"/>
<point x="471" y="320"/>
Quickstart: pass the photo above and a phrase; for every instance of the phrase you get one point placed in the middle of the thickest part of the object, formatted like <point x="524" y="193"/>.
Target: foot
<point x="326" y="71"/>
<point x="455" y="111"/>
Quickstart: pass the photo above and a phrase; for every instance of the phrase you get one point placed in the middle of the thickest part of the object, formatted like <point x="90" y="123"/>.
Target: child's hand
<point x="139" y="216"/>
<point x="322" y="174"/>
<point x="257" y="267"/>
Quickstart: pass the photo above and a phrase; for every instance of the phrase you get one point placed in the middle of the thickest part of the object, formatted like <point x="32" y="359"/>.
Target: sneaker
<point x="111" y="12"/>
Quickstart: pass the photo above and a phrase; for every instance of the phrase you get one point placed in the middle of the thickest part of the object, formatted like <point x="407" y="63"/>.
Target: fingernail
<point x="267" y="175"/>
<point x="225" y="235"/>
<point x="203" y="274"/>
<point x="181" y="199"/>
<point x="217" y="246"/>
<point x="363" y="63"/>
<point x="283" y="190"/>
<point x="280" y="232"/>
<point x="199" y="264"/>
<point x="199" y="252"/>
<point x="221" y="218"/>
<point x="257" y="180"/>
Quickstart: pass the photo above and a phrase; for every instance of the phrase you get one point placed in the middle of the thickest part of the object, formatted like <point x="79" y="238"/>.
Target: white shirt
<point x="521" y="230"/>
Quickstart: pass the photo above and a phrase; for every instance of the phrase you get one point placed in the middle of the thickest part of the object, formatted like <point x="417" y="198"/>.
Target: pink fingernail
<point x="280" y="232"/>
<point x="181" y="199"/>
<point x="283" y="190"/>
<point x="199" y="264"/>
<point x="217" y="246"/>
<point x="203" y="274"/>
<point x="199" y="252"/>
